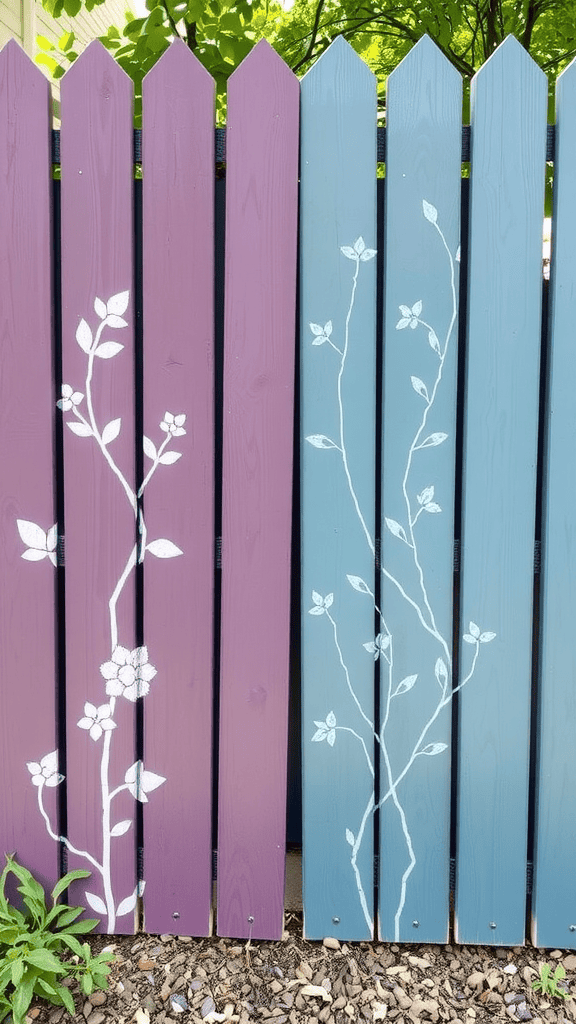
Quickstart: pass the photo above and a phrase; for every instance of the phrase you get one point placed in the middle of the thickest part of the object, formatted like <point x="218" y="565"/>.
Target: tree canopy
<point x="222" y="32"/>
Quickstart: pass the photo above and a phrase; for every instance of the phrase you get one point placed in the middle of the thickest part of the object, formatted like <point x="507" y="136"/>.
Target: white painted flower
<point x="46" y="773"/>
<point x="128" y="674"/>
<point x="474" y="636"/>
<point x="140" y="782"/>
<point x="70" y="398"/>
<point x="326" y="730"/>
<point x="321" y="604"/>
<point x="378" y="645"/>
<point x="358" y="251"/>
<point x="173" y="425"/>
<point x="321" y="334"/>
<point x="97" y="720"/>
<point x="409" y="316"/>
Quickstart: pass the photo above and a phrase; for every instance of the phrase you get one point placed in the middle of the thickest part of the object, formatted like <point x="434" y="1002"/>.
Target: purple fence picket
<point x="261" y="218"/>
<point x="178" y="225"/>
<point x="27" y="657"/>
<point x="105" y="669"/>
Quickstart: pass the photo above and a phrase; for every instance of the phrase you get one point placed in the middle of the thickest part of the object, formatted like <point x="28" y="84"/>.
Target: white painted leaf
<point x="474" y="629"/>
<point x="395" y="528"/>
<point x="115" y="321"/>
<point x="320" y="441"/>
<point x="84" y="336"/>
<point x="457" y="256"/>
<point x="420" y="387"/>
<point x="118" y="304"/>
<point x="434" y="343"/>
<point x="34" y="555"/>
<point x="316" y="329"/>
<point x="169" y="458"/>
<point x="434" y="748"/>
<point x="95" y="902"/>
<point x="150" y="781"/>
<point x="358" y="583"/>
<point x="432" y="507"/>
<point x="328" y="328"/>
<point x="126" y="905"/>
<point x="368" y="254"/>
<point x="359" y="245"/>
<point x="425" y="496"/>
<point x="81" y="429"/>
<point x="403" y="322"/>
<point x="329" y="600"/>
<point x="149" y="448"/>
<point x="406" y="312"/>
<point x="52" y="537"/>
<point x="108" y="349"/>
<point x="163" y="548"/>
<point x="52" y="557"/>
<point x="331" y="720"/>
<point x="350" y="837"/>
<point x="430" y="212"/>
<point x="31" y="534"/>
<point x="111" y="431"/>
<point x="417" y="308"/>
<point x="370" y="647"/>
<point x="441" y="672"/>
<point x="469" y="639"/>
<point x="100" y="308"/>
<point x="405" y="685"/>
<point x="319" y="735"/>
<point x="319" y="339"/>
<point x="485" y="638"/>
<point x="331" y="738"/>
<point x="433" y="439"/>
<point x="316" y="610"/>
<point x="121" y="828"/>
<point x="348" y="251"/>
<point x="316" y="597"/>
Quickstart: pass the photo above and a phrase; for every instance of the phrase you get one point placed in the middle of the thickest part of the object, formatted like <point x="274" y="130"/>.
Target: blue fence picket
<point x="338" y="235"/>
<point x="423" y="156"/>
<point x="554" y="899"/>
<point x="501" y="415"/>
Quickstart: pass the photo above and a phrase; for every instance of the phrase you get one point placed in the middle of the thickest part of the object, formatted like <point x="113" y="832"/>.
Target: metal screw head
<point x="573" y="927"/>
<point x="493" y="924"/>
<point x="415" y="924"/>
<point x="175" y="915"/>
<point x="335" y="920"/>
<point x="250" y="919"/>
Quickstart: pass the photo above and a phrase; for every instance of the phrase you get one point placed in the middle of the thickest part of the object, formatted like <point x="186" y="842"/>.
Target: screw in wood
<point x="493" y="924"/>
<point x="335" y="920"/>
<point x="415" y="924"/>
<point x="573" y="927"/>
<point x="175" y="915"/>
<point x="250" y="919"/>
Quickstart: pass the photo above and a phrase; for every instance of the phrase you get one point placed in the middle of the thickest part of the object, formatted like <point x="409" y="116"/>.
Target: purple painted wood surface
<point x="261" y="216"/>
<point x="27" y="661"/>
<point x="178" y="204"/>
<point x="97" y="171"/>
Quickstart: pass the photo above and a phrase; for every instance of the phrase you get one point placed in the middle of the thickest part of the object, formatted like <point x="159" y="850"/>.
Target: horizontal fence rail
<point x="201" y="549"/>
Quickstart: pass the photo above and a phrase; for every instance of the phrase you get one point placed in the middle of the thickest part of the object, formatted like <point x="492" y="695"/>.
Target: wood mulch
<point x="163" y="979"/>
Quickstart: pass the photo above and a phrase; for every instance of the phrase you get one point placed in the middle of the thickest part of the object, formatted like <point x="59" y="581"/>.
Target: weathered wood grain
<point x="261" y="220"/>
<point x="27" y="656"/>
<point x="97" y="172"/>
<point x="337" y="368"/>
<point x="501" y="418"/>
<point x="554" y="899"/>
<point x="178" y="267"/>
<point x="422" y="237"/>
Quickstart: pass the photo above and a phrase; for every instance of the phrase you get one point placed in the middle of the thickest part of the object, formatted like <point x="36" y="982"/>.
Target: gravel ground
<point x="165" y="979"/>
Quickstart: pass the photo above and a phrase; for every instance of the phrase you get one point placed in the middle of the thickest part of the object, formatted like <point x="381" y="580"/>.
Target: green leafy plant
<point x="547" y="983"/>
<point x="40" y="954"/>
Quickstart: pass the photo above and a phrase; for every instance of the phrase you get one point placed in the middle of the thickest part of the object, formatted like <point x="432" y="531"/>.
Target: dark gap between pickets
<point x="139" y="476"/>
<point x="458" y="469"/>
<point x="60" y="577"/>
<point x="378" y="393"/>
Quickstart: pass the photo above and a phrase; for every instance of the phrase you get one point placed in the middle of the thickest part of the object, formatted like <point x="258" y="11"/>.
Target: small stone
<point x="97" y="1017"/>
<point x="149" y="1004"/>
<point x="98" y="998"/>
<point x="501" y="954"/>
<point x="178" y="1004"/>
<point x="33" y="1013"/>
<point x="331" y="943"/>
<point x="87" y="1009"/>
<point x="570" y="962"/>
<point x="475" y="980"/>
<point x="522" y="1011"/>
<point x="208" y="1006"/>
<point x="146" y="965"/>
<point x="556" y="954"/>
<point x="510" y="969"/>
<point x="56" y="1016"/>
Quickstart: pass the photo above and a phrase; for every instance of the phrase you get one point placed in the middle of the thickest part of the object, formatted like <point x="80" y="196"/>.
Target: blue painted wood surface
<point x="338" y="281"/>
<point x="422" y="237"/>
<point x="554" y="897"/>
<point x="501" y="416"/>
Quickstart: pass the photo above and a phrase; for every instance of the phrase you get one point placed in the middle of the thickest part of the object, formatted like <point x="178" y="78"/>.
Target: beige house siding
<point x="25" y="19"/>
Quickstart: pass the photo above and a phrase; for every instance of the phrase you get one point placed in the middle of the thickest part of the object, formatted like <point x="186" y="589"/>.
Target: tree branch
<point x="313" y="35"/>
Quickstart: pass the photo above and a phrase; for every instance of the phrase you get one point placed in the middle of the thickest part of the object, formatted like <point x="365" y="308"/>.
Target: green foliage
<point x="39" y="949"/>
<point x="547" y="983"/>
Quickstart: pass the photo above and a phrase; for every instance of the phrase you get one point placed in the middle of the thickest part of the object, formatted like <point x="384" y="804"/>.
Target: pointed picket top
<point x="95" y="64"/>
<point x="262" y="61"/>
<point x="424" y="54"/>
<point x="510" y="58"/>
<point x="338" y="60"/>
<point x="179" y="63"/>
<point x="15" y="62"/>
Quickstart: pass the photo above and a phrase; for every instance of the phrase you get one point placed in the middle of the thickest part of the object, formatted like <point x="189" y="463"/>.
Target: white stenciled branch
<point x="62" y="839"/>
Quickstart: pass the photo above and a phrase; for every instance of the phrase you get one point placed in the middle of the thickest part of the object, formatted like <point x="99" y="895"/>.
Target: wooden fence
<point x="438" y="695"/>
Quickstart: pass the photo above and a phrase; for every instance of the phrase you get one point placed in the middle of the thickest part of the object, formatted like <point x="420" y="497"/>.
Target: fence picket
<point x="501" y="416"/>
<point x="338" y="358"/>
<point x="102" y="664"/>
<point x="423" y="174"/>
<point x="27" y="656"/>
<point x="261" y="221"/>
<point x="554" y="900"/>
<point x="178" y="269"/>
